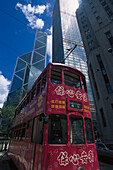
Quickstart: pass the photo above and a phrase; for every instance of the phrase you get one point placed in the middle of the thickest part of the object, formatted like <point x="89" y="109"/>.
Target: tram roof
<point x="64" y="65"/>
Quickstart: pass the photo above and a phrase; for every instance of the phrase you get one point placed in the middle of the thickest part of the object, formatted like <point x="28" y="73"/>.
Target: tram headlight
<point x="81" y="168"/>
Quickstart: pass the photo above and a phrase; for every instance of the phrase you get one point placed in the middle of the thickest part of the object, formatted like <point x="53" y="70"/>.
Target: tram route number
<point x="75" y="105"/>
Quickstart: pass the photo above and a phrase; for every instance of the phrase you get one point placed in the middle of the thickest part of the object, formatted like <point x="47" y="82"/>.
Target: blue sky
<point x="19" y="20"/>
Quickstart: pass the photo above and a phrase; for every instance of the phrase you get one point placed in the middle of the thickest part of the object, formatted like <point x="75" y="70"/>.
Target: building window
<point x="91" y="44"/>
<point x="100" y="23"/>
<point x="95" y="85"/>
<point x="112" y="105"/>
<point x="88" y="31"/>
<point x="81" y="13"/>
<point x="93" y="9"/>
<point x="104" y="73"/>
<point x="88" y="36"/>
<point x="95" y="13"/>
<point x="109" y="88"/>
<point x="83" y="17"/>
<point x="103" y="117"/>
<point x="89" y="131"/>
<point x="91" y="3"/>
<point x="83" y="22"/>
<point x="85" y="26"/>
<point x="108" y="35"/>
<point x="98" y="18"/>
<point x="107" y="9"/>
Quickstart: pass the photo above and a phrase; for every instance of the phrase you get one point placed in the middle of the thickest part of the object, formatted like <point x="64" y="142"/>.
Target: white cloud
<point x="49" y="47"/>
<point x="31" y="12"/>
<point x="49" y="44"/>
<point x="40" y="9"/>
<point x="4" y="85"/>
<point x="49" y="13"/>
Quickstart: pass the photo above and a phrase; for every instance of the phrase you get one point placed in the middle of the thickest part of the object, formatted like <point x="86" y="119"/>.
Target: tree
<point x="7" y="114"/>
<point x="16" y="100"/>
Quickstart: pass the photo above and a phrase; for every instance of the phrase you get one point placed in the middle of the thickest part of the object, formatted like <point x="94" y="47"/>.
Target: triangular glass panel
<point x="26" y="57"/>
<point x="36" y="58"/>
<point x="20" y="65"/>
<point x="42" y="39"/>
<point x="40" y="65"/>
<point x="27" y="74"/>
<point x="16" y="84"/>
<point x="34" y="74"/>
<point x="20" y="73"/>
<point x="42" y="50"/>
<point x="38" y="44"/>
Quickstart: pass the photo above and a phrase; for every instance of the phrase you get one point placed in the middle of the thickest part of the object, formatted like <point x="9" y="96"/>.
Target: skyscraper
<point x="67" y="43"/>
<point x="29" y="66"/>
<point x="95" y="20"/>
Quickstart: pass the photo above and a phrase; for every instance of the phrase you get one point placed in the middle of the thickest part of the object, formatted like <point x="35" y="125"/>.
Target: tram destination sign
<point x="75" y="105"/>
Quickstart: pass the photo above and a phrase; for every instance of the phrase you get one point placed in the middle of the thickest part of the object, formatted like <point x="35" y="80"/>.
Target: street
<point x="105" y="166"/>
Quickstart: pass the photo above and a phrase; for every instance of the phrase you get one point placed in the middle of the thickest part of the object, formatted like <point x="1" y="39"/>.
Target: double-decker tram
<point x="52" y="128"/>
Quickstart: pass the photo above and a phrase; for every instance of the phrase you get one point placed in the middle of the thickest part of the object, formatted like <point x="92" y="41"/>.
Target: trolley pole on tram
<point x="69" y="52"/>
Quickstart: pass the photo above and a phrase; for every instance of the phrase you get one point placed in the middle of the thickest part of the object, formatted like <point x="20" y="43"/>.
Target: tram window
<point x="38" y="89"/>
<point x="40" y="138"/>
<point x="27" y="135"/>
<point x="13" y="133"/>
<point x="29" y="124"/>
<point x="28" y="100"/>
<point x="37" y="133"/>
<point x="23" y="131"/>
<point x="84" y="85"/>
<point x="34" y="138"/>
<point x="56" y="76"/>
<point x="57" y="129"/>
<point x="71" y="79"/>
<point x="17" y="133"/>
<point x="33" y="93"/>
<point x="28" y="130"/>
<point x="89" y="131"/>
<point x="43" y="83"/>
<point x="19" y="136"/>
<point x="76" y="130"/>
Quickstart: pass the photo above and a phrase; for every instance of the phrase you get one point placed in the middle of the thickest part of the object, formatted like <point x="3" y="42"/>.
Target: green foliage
<point x="7" y="114"/>
<point x="16" y="100"/>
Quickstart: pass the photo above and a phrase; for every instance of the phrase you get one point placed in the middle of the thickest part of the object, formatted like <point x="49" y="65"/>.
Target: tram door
<point x="37" y="139"/>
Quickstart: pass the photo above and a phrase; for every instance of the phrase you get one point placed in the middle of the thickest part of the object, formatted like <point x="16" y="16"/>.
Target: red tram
<point x="52" y="127"/>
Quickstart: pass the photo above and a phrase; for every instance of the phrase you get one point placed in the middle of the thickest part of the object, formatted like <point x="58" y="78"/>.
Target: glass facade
<point x="38" y="58"/>
<point x="29" y="66"/>
<point x="67" y="43"/>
